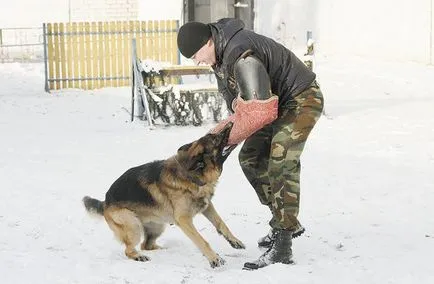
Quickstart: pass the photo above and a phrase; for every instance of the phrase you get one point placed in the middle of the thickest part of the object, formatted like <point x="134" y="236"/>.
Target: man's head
<point x="195" y="42"/>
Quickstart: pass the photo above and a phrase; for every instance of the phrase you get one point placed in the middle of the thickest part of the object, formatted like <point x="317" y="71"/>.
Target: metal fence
<point x="21" y="45"/>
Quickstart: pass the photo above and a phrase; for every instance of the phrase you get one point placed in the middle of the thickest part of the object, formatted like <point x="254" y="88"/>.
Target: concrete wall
<point x="160" y="9"/>
<point x="387" y="29"/>
<point x="104" y="10"/>
<point x="285" y="20"/>
<point x="221" y="9"/>
<point x="28" y="13"/>
<point x="31" y="13"/>
<point x="432" y="32"/>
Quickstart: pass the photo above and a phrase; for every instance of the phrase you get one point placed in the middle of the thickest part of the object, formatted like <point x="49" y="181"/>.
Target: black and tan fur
<point x="145" y="198"/>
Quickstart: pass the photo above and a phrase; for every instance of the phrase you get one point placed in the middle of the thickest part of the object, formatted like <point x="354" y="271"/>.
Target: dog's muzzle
<point x="225" y="149"/>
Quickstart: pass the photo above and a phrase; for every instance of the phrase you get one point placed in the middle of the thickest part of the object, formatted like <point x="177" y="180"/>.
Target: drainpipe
<point x="69" y="11"/>
<point x="431" y="35"/>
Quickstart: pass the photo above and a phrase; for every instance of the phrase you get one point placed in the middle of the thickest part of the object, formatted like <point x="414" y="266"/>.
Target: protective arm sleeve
<point x="255" y="105"/>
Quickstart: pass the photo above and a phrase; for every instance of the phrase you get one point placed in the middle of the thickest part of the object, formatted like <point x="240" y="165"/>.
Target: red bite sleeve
<point x="249" y="117"/>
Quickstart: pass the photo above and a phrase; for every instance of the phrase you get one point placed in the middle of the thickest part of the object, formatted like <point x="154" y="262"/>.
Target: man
<point x="275" y="102"/>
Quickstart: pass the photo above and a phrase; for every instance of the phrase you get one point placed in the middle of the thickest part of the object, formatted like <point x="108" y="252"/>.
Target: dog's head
<point x="203" y="159"/>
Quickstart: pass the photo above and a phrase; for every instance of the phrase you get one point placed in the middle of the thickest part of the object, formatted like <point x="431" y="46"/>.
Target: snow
<point x="150" y="65"/>
<point x="367" y="189"/>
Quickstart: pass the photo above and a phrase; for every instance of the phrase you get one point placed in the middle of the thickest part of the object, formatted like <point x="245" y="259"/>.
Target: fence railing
<point x="22" y="44"/>
<point x="89" y="55"/>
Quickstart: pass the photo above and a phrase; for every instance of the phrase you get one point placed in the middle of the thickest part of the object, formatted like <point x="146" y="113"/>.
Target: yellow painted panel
<point x="157" y="39"/>
<point x="113" y="55"/>
<point x="69" y="59"/>
<point x="50" y="55"/>
<point x="82" y="55"/>
<point x="75" y="56"/>
<point x="56" y="55"/>
<point x="100" y="54"/>
<point x="139" y="37"/>
<point x="145" y="46"/>
<point x="94" y="54"/>
<point x="151" y="40"/>
<point x="107" y="56"/>
<point x="88" y="56"/>
<point x="62" y="58"/>
<point x="174" y="45"/>
<point x="126" y="52"/>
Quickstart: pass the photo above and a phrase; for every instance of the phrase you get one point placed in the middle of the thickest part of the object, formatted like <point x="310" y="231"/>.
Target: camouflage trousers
<point x="270" y="158"/>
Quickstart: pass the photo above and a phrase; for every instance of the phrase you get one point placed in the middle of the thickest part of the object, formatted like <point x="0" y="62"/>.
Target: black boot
<point x="279" y="252"/>
<point x="266" y="241"/>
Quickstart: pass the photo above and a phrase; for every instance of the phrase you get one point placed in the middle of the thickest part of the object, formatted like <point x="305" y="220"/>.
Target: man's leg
<point x="290" y="132"/>
<point x="252" y="157"/>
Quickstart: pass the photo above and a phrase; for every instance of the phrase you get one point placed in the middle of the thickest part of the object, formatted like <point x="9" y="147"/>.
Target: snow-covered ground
<point x="367" y="185"/>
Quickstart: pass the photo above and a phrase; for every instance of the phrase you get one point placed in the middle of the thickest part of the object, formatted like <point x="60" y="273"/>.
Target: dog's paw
<point x="217" y="262"/>
<point x="142" y="258"/>
<point x="235" y="243"/>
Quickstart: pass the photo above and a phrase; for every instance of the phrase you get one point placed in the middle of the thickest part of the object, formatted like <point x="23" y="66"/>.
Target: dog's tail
<point x="93" y="205"/>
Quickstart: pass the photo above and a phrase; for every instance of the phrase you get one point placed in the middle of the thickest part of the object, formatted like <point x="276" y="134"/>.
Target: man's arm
<point x="255" y="106"/>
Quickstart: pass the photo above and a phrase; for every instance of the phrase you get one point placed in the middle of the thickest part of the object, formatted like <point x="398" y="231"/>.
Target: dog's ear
<point x="196" y="164"/>
<point x="183" y="157"/>
<point x="185" y="147"/>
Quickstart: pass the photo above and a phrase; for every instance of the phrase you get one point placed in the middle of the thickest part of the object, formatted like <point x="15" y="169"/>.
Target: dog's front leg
<point x="212" y="215"/>
<point x="186" y="225"/>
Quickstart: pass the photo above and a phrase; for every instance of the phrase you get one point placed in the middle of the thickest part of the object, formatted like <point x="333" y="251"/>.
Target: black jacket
<point x="288" y="75"/>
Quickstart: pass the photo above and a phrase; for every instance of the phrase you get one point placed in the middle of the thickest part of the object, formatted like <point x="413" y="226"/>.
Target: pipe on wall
<point x="431" y="34"/>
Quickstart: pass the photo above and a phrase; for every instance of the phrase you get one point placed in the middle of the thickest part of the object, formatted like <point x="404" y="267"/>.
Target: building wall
<point x="160" y="9"/>
<point x="31" y="13"/>
<point x="387" y="29"/>
<point x="28" y="13"/>
<point x="286" y="21"/>
<point x="432" y="33"/>
<point x="104" y="10"/>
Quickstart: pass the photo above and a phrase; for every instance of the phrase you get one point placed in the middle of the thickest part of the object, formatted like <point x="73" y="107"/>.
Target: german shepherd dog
<point x="146" y="198"/>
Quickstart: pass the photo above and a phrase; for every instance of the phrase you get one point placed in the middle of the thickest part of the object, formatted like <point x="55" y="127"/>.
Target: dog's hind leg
<point x="152" y="231"/>
<point x="211" y="214"/>
<point x="128" y="229"/>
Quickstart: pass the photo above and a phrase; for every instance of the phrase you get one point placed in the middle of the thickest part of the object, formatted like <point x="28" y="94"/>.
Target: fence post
<point x="310" y="52"/>
<point x="179" y="53"/>
<point x="138" y="83"/>
<point x="133" y="73"/>
<point x="44" y="34"/>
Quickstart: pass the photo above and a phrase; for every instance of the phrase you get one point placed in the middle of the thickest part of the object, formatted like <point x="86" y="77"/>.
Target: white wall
<point x="432" y="32"/>
<point x="286" y="21"/>
<point x="160" y="9"/>
<point x="387" y="29"/>
<point x="104" y="10"/>
<point x="31" y="13"/>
